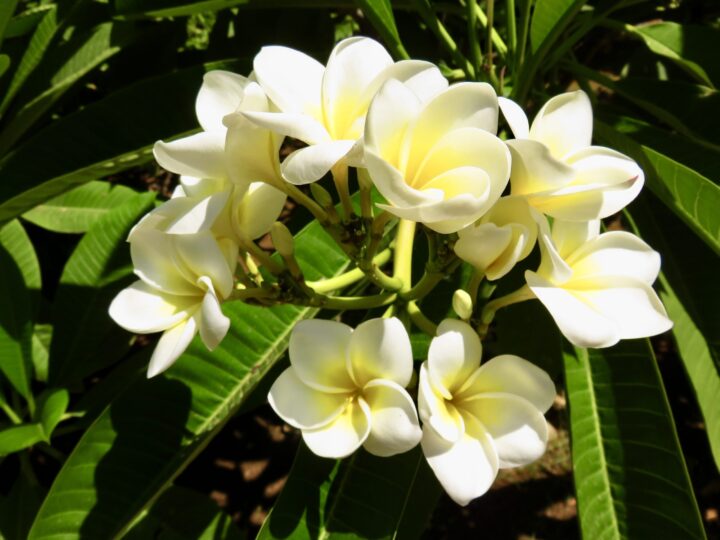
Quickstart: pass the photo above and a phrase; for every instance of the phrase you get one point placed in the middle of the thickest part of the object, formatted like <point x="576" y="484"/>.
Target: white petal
<point x="298" y="126"/>
<point x="534" y="170"/>
<point x="435" y="412"/>
<point x="461" y="105"/>
<point x="481" y="246"/>
<point x="579" y="323"/>
<point x="392" y="185"/>
<point x="258" y="209"/>
<point x="518" y="429"/>
<point x="392" y="109"/>
<point x="213" y="324"/>
<point x="171" y="345"/>
<point x="394" y="426"/>
<point x="142" y="309"/>
<point x="465" y="469"/>
<point x="515" y="117"/>
<point x="301" y="406"/>
<point x="200" y="217"/>
<point x="220" y="94"/>
<point x="552" y="266"/>
<point x="310" y="164"/>
<point x="569" y="236"/>
<point x="353" y="65"/>
<point x="632" y="305"/>
<point x="318" y="351"/>
<point x="201" y="155"/>
<point x="511" y="374"/>
<point x="155" y="260"/>
<point x="453" y="355"/>
<point x="616" y="253"/>
<point x="380" y="349"/>
<point x="291" y="79"/>
<point x="342" y="436"/>
<point x="424" y="79"/>
<point x="199" y="188"/>
<point x="201" y="256"/>
<point x="564" y="124"/>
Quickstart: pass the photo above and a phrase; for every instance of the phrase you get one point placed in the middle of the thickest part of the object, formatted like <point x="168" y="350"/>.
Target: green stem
<point x="488" y="312"/>
<point x="426" y="12"/>
<point x="257" y="252"/>
<point x="474" y="284"/>
<point x="420" y="320"/>
<point x="497" y="40"/>
<point x="11" y="414"/>
<point x="356" y="302"/>
<point x="403" y="253"/>
<point x="348" y="278"/>
<point x="299" y="197"/>
<point x="475" y="53"/>
<point x="491" y="60"/>
<point x="250" y="294"/>
<point x="426" y="284"/>
<point x="340" y="177"/>
<point x="511" y="28"/>
<point x="524" y="31"/>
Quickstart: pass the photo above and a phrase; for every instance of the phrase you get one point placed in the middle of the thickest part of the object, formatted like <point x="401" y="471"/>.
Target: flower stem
<point x="403" y="253"/>
<point x="340" y="177"/>
<point x="488" y="312"/>
<point x="348" y="278"/>
<point x="355" y="302"/>
<point x="475" y="53"/>
<point x="474" y="284"/>
<point x="12" y="415"/>
<point x="420" y="320"/>
<point x="257" y="252"/>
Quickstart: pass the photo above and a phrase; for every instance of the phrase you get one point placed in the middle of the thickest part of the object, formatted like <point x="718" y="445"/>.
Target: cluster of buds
<point x="430" y="151"/>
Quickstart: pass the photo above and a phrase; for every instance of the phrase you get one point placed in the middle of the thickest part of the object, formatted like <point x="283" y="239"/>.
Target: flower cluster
<point x="431" y="152"/>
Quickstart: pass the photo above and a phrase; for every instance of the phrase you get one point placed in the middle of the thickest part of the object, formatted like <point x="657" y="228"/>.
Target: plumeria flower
<point x="557" y="169"/>
<point x="183" y="280"/>
<point x="501" y="238"/>
<point x="479" y="418"/>
<point x="597" y="287"/>
<point x="437" y="163"/>
<point x="325" y="107"/>
<point x="345" y="389"/>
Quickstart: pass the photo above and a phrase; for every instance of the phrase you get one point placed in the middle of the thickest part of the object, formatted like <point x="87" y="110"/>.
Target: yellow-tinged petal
<point x="343" y="435"/>
<point x="437" y="413"/>
<point x="301" y="406"/>
<point x="201" y="256"/>
<point x="394" y="426"/>
<point x="212" y="323"/>
<point x="258" y="208"/>
<point x="380" y="349"/>
<point x="453" y="355"/>
<point x="311" y="163"/>
<point x="515" y="117"/>
<point x="564" y="124"/>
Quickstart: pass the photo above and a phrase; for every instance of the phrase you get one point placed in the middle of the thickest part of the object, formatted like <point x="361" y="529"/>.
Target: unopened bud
<point x="321" y="195"/>
<point x="462" y="304"/>
<point x="282" y="240"/>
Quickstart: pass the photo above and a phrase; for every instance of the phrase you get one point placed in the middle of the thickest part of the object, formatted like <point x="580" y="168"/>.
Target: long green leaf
<point x="691" y="292"/>
<point x="363" y="496"/>
<point x="76" y="210"/>
<point x="550" y="18"/>
<point x="630" y="476"/>
<point x="689" y="46"/>
<point x="150" y="432"/>
<point x="16" y="241"/>
<point x="183" y="514"/>
<point x="16" y="438"/>
<point x="693" y="198"/>
<point x="7" y="9"/>
<point x="27" y="21"/>
<point x="16" y="307"/>
<point x="85" y="339"/>
<point x="380" y="15"/>
<point x="71" y="151"/>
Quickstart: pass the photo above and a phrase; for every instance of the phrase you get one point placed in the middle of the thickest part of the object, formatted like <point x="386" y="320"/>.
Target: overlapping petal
<point x="394" y="426"/>
<point x="171" y="345"/>
<point x="380" y="349"/>
<point x="343" y="435"/>
<point x="143" y="309"/>
<point x="220" y="94"/>
<point x="453" y="355"/>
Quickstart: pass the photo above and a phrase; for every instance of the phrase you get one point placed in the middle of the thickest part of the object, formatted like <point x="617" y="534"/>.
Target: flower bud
<point x="282" y="240"/>
<point x="462" y="304"/>
<point x="321" y="195"/>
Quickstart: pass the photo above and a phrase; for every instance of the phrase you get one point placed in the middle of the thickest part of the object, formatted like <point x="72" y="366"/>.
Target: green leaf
<point x="689" y="46"/>
<point x="85" y="339"/>
<point x="18" y="509"/>
<point x="42" y="335"/>
<point x="15" y="318"/>
<point x="34" y="53"/>
<point x="184" y="514"/>
<point x="70" y="152"/>
<point x="51" y="405"/>
<point x="630" y="477"/>
<point x="550" y="18"/>
<point x="76" y="210"/>
<point x="380" y="15"/>
<point x="363" y="496"/>
<point x="16" y="242"/>
<point x="27" y="21"/>
<point x="70" y="62"/>
<point x="691" y="196"/>
<point x="7" y="8"/>
<point x="150" y="432"/>
<point x="691" y="292"/>
<point x="4" y="63"/>
<point x="16" y="438"/>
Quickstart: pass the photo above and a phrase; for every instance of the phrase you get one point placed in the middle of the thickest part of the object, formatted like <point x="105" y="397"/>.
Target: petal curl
<point x="212" y="323"/>
<point x="220" y="94"/>
<point x="343" y="435"/>
<point x="311" y="163"/>
<point x="201" y="155"/>
<point x="171" y="345"/>
<point x="380" y="349"/>
<point x="515" y="117"/>
<point x="564" y="124"/>
<point x="394" y="426"/>
<point x="453" y="355"/>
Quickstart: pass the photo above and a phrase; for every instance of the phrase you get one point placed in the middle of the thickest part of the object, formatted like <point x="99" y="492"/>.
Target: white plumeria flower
<point x="597" y="287"/>
<point x="325" y="107"/>
<point x="183" y="279"/>
<point x="557" y="169"/>
<point x="345" y="389"/>
<point x="479" y="418"/>
<point x="437" y="163"/>
<point x="501" y="238"/>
